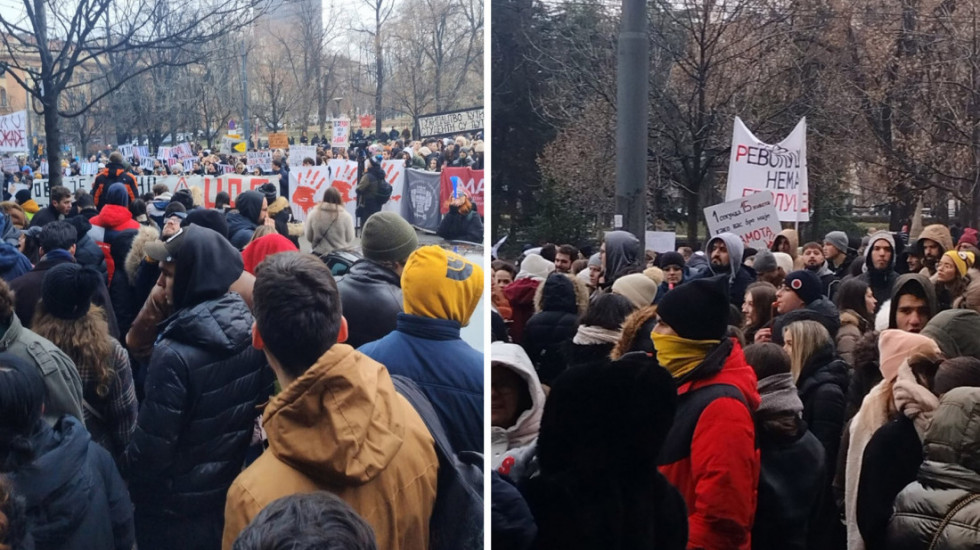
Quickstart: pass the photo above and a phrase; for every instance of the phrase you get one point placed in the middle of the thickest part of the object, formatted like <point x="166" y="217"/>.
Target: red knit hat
<point x="257" y="250"/>
<point x="969" y="236"/>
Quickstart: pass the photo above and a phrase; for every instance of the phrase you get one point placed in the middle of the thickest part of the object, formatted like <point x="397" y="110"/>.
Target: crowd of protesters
<point x="174" y="376"/>
<point x="821" y="396"/>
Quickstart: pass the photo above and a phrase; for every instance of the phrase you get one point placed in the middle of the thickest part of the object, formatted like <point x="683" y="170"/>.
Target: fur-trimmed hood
<point x="137" y="251"/>
<point x="552" y="295"/>
<point x="636" y="332"/>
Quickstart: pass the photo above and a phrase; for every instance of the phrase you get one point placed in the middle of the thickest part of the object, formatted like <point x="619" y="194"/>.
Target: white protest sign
<point x="262" y="159"/>
<point x="13" y="132"/>
<point x="10" y="165"/>
<point x="661" y="241"/>
<point x="341" y="133"/>
<point x="395" y="176"/>
<point x="299" y="152"/>
<point x="455" y="122"/>
<point x="781" y="168"/>
<point x="753" y="218"/>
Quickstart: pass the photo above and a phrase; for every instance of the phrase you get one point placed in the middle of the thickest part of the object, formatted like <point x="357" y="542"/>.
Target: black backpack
<point x="384" y="191"/>
<point x="457" y="517"/>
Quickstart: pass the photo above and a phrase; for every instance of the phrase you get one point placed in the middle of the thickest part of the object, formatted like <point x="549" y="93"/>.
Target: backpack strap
<point x="689" y="408"/>
<point x="411" y="391"/>
<point x="957" y="506"/>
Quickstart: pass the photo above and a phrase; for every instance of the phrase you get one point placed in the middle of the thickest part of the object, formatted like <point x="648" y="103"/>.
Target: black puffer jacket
<point x="949" y="475"/>
<point x="371" y="298"/>
<point x="549" y="331"/>
<point x="87" y="252"/>
<point x="74" y="495"/>
<point x="822" y="385"/>
<point x="203" y="385"/>
<point x="242" y="224"/>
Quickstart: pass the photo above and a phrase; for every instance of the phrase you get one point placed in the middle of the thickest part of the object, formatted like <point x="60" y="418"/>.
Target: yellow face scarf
<point x="680" y="355"/>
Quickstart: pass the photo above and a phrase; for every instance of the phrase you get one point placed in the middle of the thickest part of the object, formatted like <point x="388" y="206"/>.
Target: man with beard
<point x="815" y="262"/>
<point x="879" y="266"/>
<point x="933" y="242"/>
<point x="725" y="254"/>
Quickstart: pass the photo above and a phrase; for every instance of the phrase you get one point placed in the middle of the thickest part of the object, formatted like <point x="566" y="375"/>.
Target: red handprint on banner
<point x="342" y="182"/>
<point x="308" y="187"/>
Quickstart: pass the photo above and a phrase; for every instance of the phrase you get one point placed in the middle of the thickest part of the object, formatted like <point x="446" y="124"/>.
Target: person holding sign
<point x="462" y="221"/>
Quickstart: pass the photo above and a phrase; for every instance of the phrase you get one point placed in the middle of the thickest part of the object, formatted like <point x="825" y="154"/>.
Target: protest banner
<point x="395" y="176"/>
<point x="422" y="206"/>
<point x="753" y="218"/>
<point x="661" y="241"/>
<point x="307" y="184"/>
<point x="88" y="168"/>
<point x="44" y="169"/>
<point x="210" y="186"/>
<point x="299" y="152"/>
<point x="451" y="122"/>
<point x="10" y="165"/>
<point x="13" y="132"/>
<point x="278" y="140"/>
<point x="184" y="151"/>
<point x="126" y="151"/>
<point x="341" y="133"/>
<point x="366" y="122"/>
<point x="781" y="168"/>
<point x="141" y="152"/>
<point x="163" y="153"/>
<point x="262" y="159"/>
<point x="471" y="183"/>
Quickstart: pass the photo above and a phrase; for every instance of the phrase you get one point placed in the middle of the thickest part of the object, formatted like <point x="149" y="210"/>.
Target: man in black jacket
<point x="203" y="385"/>
<point x="116" y="170"/>
<point x="59" y="208"/>
<point x="370" y="293"/>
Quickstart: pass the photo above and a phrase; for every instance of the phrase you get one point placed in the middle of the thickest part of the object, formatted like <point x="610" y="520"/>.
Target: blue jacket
<point x="449" y="371"/>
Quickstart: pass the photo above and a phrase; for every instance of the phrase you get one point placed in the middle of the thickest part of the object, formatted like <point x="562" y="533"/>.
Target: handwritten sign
<point x="781" y="169"/>
<point x="341" y="133"/>
<point x="13" y="132"/>
<point x="753" y="218"/>
<point x="278" y="140"/>
<point x="449" y="123"/>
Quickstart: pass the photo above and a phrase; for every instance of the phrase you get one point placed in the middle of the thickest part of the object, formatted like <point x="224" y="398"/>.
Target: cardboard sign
<point x="781" y="168"/>
<point x="13" y="132"/>
<point x="278" y="140"/>
<point x="450" y="123"/>
<point x="753" y="218"/>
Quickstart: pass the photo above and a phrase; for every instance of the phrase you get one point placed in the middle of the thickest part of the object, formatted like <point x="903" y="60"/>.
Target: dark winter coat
<point x="447" y="369"/>
<point x="881" y="281"/>
<point x="113" y="173"/>
<point x="948" y="475"/>
<point x="548" y="332"/>
<point x="27" y="291"/>
<point x="520" y="294"/>
<point x="820" y="310"/>
<point x="601" y="432"/>
<point x="87" y="251"/>
<point x="371" y="298"/>
<point x="891" y="461"/>
<point x="13" y="264"/>
<point x="367" y="192"/>
<point x="45" y="216"/>
<point x="624" y="255"/>
<point x="203" y="385"/>
<point x="461" y="227"/>
<point x="242" y="223"/>
<point x="75" y="498"/>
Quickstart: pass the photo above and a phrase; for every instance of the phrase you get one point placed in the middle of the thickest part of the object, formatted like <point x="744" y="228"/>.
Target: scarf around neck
<point x="779" y="395"/>
<point x="680" y="355"/>
<point x="914" y="400"/>
<point x="588" y="335"/>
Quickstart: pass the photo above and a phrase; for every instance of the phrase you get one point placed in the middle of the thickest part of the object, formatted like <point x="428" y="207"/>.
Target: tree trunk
<point x="52" y="134"/>
<point x="379" y="91"/>
<point x="693" y="215"/>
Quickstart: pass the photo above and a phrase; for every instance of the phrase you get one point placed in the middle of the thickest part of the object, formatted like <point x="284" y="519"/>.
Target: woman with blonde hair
<point x="66" y="317"/>
<point x="821" y="379"/>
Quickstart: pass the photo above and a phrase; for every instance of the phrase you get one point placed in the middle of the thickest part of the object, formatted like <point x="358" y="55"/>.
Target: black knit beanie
<point x="805" y="284"/>
<point x="697" y="310"/>
<point x="212" y="219"/>
<point x="67" y="290"/>
<point x="671" y="258"/>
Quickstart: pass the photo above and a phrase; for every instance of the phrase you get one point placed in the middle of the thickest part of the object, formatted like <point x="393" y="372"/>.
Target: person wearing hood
<point x="913" y="303"/>
<point x="338" y="424"/>
<point x="461" y="222"/>
<point x="879" y="265"/>
<point x="281" y="214"/>
<point x="941" y="509"/>
<point x="768" y="269"/>
<point x="107" y="227"/>
<point x="516" y="402"/>
<point x="856" y="304"/>
<point x="814" y="262"/>
<point x="789" y="495"/>
<point x="329" y="227"/>
<point x="252" y="211"/>
<point x="675" y="273"/>
<point x="440" y="291"/>
<point x="73" y="494"/>
<point x="788" y="242"/>
<point x="13" y="263"/>
<point x="837" y="251"/>
<point x="821" y="378"/>
<point x="725" y="250"/>
<point x="955" y="330"/>
<point x="934" y="241"/>
<point x="195" y="426"/>
<point x="115" y="171"/>
<point x="621" y="254"/>
<point x="877" y="408"/>
<point x="161" y="198"/>
<point x="598" y="485"/>
<point x="559" y="303"/>
<point x="368" y="201"/>
<point x="87" y="251"/>
<point x="710" y="452"/>
<point x="533" y="271"/>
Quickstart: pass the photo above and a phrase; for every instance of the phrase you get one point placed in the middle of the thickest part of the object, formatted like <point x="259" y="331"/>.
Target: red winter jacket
<point x="718" y="474"/>
<point x="112" y="220"/>
<point x="520" y="293"/>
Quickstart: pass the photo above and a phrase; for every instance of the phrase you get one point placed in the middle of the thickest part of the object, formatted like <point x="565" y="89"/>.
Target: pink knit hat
<point x="895" y="346"/>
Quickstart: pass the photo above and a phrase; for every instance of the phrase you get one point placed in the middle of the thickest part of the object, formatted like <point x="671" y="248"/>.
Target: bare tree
<point x="52" y="39"/>
<point x="381" y="11"/>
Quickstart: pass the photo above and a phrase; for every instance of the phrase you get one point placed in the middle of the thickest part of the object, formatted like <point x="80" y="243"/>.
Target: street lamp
<point x="336" y="113"/>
